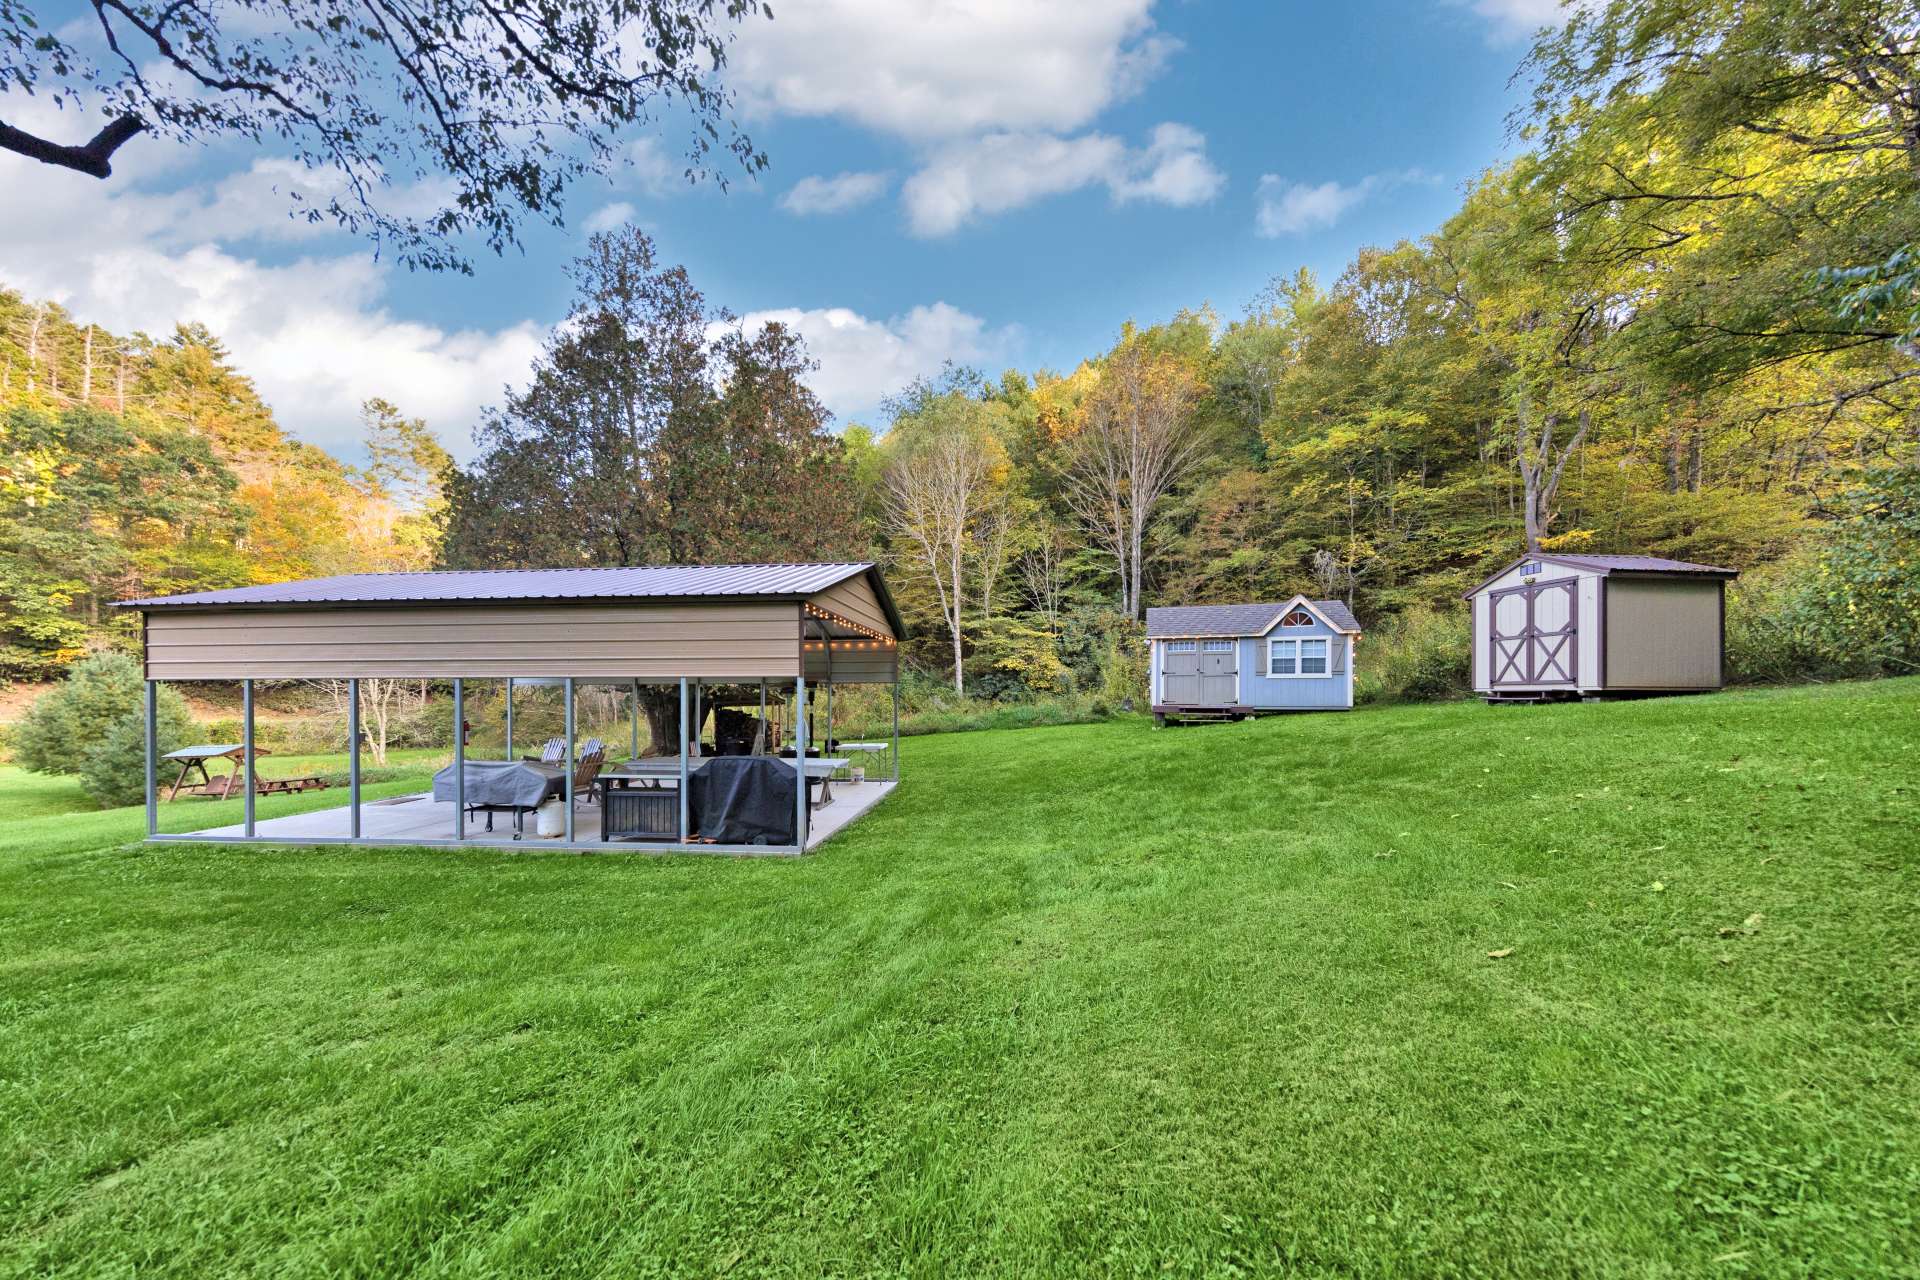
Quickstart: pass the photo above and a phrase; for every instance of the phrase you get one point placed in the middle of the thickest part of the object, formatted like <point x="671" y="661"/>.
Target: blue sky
<point x="993" y="181"/>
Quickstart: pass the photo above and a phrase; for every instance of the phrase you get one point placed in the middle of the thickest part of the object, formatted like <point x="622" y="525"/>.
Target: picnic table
<point x="868" y="749"/>
<point x="196" y="759"/>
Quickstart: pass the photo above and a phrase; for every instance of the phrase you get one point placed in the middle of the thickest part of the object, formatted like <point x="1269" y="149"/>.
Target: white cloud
<point x="1173" y="170"/>
<point x="318" y="334"/>
<point x="837" y="194"/>
<point x="1287" y="208"/>
<point x="1519" y="19"/>
<point x="608" y="217"/>
<point x="862" y="361"/>
<point x="651" y="169"/>
<point x="929" y="71"/>
<point x="995" y="95"/>
<point x="1003" y="171"/>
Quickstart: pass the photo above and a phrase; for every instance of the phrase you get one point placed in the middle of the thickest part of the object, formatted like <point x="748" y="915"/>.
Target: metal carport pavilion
<point x="690" y="626"/>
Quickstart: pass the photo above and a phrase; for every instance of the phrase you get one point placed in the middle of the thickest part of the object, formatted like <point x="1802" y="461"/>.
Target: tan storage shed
<point x="1571" y="626"/>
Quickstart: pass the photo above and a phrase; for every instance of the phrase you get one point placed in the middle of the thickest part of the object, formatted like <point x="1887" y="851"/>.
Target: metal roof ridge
<point x="591" y="568"/>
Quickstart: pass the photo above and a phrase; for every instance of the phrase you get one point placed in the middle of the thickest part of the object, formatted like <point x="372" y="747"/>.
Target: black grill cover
<point x="743" y="800"/>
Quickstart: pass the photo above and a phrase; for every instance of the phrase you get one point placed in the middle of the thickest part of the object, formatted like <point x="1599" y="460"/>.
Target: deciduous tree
<point x="653" y="432"/>
<point x="944" y="471"/>
<point x="1137" y="438"/>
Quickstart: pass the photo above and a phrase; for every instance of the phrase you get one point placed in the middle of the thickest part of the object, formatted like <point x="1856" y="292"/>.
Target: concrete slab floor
<point x="420" y="817"/>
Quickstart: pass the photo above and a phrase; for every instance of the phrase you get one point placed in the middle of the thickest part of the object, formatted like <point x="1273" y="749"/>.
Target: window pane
<point x="1281" y="658"/>
<point x="1313" y="657"/>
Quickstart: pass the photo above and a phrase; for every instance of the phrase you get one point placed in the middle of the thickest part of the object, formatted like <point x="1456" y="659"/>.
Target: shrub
<point x="114" y="769"/>
<point x="1123" y="664"/>
<point x="1870" y="575"/>
<point x="70" y="719"/>
<point x="1012" y="660"/>
<point x="94" y="725"/>
<point x="1421" y="656"/>
<point x="1779" y="628"/>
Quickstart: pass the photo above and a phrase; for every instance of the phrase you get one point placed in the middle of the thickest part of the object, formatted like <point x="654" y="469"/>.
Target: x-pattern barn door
<point x="1535" y="633"/>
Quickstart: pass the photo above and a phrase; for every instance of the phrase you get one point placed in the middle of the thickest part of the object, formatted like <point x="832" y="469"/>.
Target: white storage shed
<point x="1567" y="626"/>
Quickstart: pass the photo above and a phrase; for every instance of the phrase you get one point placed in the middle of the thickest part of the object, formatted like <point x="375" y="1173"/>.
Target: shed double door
<point x="1199" y="673"/>
<point x="1535" y="634"/>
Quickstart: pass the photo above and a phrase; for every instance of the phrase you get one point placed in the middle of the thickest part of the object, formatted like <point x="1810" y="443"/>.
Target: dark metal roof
<point x="1604" y="565"/>
<point x="1237" y="619"/>
<point x="1638" y="564"/>
<point x="642" y="582"/>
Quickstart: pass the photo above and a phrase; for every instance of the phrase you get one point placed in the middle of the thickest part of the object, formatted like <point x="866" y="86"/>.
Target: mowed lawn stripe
<point x="1082" y="1000"/>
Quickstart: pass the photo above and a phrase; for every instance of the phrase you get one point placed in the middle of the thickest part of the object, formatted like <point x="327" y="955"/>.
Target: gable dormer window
<point x="1297" y="618"/>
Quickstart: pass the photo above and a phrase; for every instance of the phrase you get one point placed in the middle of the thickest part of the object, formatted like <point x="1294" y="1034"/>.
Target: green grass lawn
<point x="1087" y="1000"/>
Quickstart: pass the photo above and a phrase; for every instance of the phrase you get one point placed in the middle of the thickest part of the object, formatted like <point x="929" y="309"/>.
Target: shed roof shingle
<point x="640" y="582"/>
<point x="1236" y="619"/>
<point x="1636" y="564"/>
<point x="1606" y="565"/>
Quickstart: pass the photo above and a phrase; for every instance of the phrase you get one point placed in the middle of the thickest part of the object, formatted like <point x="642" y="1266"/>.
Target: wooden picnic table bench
<point x="195" y="759"/>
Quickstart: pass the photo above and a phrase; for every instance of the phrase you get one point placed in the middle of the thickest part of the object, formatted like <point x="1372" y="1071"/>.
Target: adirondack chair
<point x="553" y="753"/>
<point x="586" y="770"/>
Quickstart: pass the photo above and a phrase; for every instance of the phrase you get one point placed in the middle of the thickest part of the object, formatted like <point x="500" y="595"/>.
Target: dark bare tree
<point x="1543" y="460"/>
<point x="506" y="103"/>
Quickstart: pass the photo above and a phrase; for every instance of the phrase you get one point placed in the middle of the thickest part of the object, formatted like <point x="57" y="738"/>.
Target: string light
<point x="825" y="615"/>
<point x="850" y="644"/>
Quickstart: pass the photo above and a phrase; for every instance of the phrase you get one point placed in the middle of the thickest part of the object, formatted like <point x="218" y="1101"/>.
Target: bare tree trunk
<point x="993" y="535"/>
<point x="86" y="369"/>
<point x="36" y="321"/>
<point x="1139" y="440"/>
<point x="376" y="696"/>
<point x="660" y="705"/>
<point x="1541" y="466"/>
<point x="1040" y="569"/>
<point x="953" y="625"/>
<point x="934" y="494"/>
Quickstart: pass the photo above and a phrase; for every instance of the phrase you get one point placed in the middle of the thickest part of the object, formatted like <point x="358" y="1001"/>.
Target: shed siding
<point x="1586" y="671"/>
<point x="853" y="666"/>
<point x="1482" y="673"/>
<point x="707" y="641"/>
<point x="855" y="599"/>
<point x="1587" y="641"/>
<point x="1548" y="573"/>
<point x="1258" y="689"/>
<point x="1663" y="633"/>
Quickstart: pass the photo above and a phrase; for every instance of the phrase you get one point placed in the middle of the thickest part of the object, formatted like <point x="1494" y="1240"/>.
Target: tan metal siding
<point x="853" y="666"/>
<point x="855" y="599"/>
<point x="709" y="641"/>
<point x="1662" y="634"/>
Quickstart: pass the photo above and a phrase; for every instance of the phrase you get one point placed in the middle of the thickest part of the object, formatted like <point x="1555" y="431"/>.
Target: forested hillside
<point x="1681" y="322"/>
<point x="137" y="465"/>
